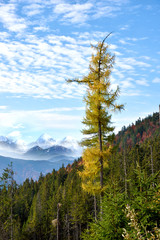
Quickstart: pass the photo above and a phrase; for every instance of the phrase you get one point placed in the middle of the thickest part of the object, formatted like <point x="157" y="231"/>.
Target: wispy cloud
<point x="14" y="135"/>
<point x="38" y="67"/>
<point x="131" y="41"/>
<point x="127" y="84"/>
<point x="108" y="8"/>
<point x="9" y="18"/>
<point x="109" y="11"/>
<point x="51" y="119"/>
<point x="74" y="13"/>
<point x="142" y="82"/>
<point x="41" y="28"/>
<point x="80" y="13"/>
<point x="33" y="9"/>
<point x="3" y="107"/>
<point x="156" y="80"/>
<point x="125" y="27"/>
<point x="134" y="62"/>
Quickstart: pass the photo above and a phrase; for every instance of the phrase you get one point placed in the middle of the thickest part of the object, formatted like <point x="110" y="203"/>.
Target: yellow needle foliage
<point x="91" y="174"/>
<point x="100" y="100"/>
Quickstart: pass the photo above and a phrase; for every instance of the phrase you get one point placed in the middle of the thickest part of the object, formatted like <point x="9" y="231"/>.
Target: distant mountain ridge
<point x="31" y="169"/>
<point x="39" y="153"/>
<point x="43" y="148"/>
<point x="43" y="155"/>
<point x="44" y="141"/>
<point x="6" y="142"/>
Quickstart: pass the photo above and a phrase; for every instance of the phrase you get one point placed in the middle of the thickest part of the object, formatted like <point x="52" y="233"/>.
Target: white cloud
<point x="41" y="28"/>
<point x="125" y="27"/>
<point x="4" y="36"/>
<point x="110" y="8"/>
<point x="38" y="67"/>
<point x="109" y="11"/>
<point x="74" y="13"/>
<point x="129" y="63"/>
<point x="118" y="73"/>
<point x="142" y="82"/>
<point x="14" y="135"/>
<point x="146" y="57"/>
<point x="135" y="62"/>
<point x="129" y="93"/>
<point x="113" y="46"/>
<point x="123" y="65"/>
<point x="127" y="84"/>
<point x="156" y="80"/>
<point x="51" y="119"/>
<point x="80" y="13"/>
<point x="33" y="9"/>
<point x="131" y="41"/>
<point x="62" y="109"/>
<point x="10" y="20"/>
<point x="3" y="107"/>
<point x="122" y="41"/>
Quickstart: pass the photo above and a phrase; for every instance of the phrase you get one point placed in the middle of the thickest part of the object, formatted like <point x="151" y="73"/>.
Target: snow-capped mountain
<point x="53" y="153"/>
<point x="69" y="142"/>
<point x="9" y="143"/>
<point x="10" y="148"/>
<point x="46" y="152"/>
<point x="3" y="139"/>
<point x="46" y="145"/>
<point x="44" y="141"/>
<point x="6" y="142"/>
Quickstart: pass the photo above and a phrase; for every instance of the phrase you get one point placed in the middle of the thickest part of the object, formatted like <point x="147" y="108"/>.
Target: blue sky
<point x="42" y="43"/>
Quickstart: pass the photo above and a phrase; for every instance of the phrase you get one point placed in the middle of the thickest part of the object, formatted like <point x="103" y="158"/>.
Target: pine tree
<point x="7" y="182"/>
<point x="100" y="101"/>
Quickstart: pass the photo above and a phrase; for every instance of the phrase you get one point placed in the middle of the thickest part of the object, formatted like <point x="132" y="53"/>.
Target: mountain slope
<point x="38" y="153"/>
<point x="140" y="131"/>
<point x="31" y="169"/>
<point x="44" y="148"/>
<point x="44" y="141"/>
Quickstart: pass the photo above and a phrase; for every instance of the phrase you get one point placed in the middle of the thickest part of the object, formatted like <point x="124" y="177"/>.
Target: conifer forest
<point x="111" y="192"/>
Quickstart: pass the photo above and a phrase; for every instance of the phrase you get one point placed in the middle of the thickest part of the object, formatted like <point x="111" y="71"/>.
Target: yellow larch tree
<point x="100" y="101"/>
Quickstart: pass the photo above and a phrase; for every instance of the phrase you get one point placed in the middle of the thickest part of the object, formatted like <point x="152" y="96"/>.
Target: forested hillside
<point x="56" y="207"/>
<point x="139" y="131"/>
